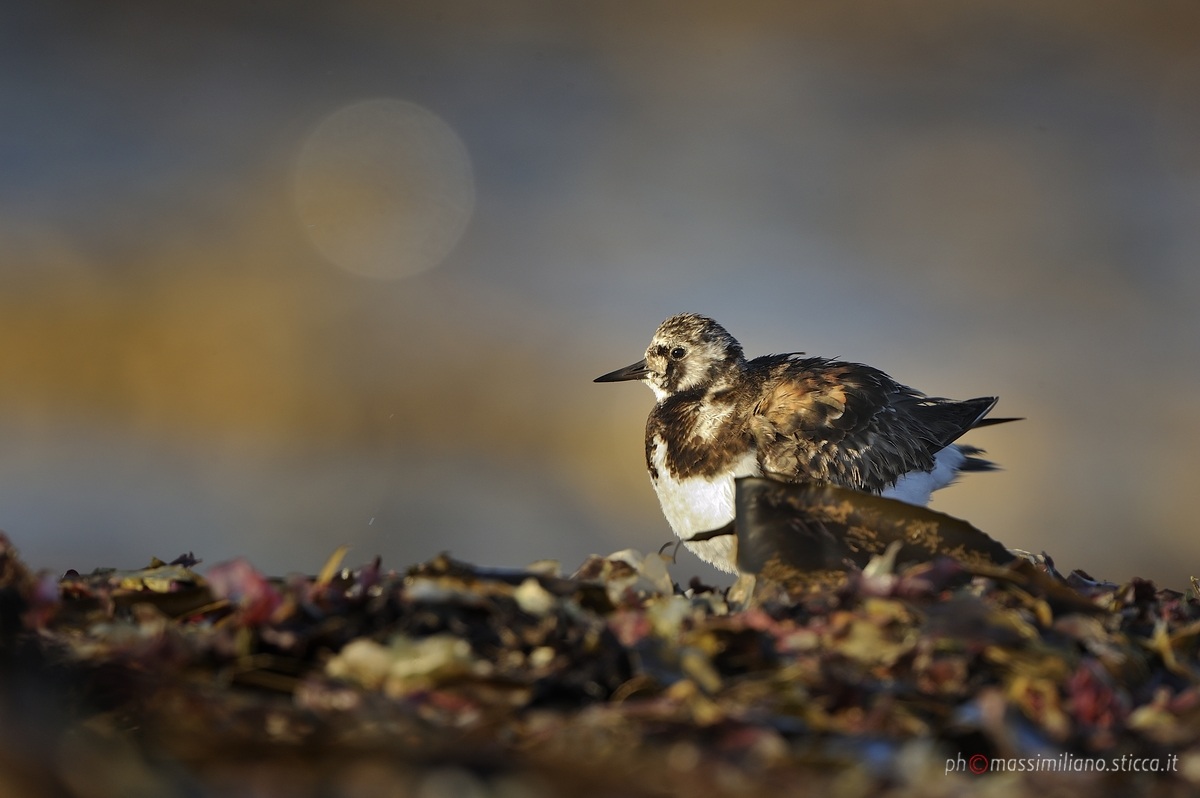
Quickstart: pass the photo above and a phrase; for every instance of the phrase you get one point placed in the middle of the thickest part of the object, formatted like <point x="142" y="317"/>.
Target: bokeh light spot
<point x="384" y="188"/>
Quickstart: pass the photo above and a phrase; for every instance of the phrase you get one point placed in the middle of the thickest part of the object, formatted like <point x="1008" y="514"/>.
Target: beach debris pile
<point x="936" y="678"/>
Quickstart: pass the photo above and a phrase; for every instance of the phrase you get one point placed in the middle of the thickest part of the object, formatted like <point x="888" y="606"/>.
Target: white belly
<point x="701" y="504"/>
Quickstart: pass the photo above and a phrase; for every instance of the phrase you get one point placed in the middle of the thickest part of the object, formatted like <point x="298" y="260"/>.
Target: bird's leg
<point x="675" y="551"/>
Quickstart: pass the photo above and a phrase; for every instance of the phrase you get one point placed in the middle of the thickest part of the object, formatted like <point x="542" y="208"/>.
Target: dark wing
<point x="847" y="424"/>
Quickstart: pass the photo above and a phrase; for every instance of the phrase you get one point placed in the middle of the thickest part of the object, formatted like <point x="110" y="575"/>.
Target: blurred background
<point x="276" y="277"/>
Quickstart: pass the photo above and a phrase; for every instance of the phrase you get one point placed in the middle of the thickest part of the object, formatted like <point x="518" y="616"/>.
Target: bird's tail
<point x="973" y="462"/>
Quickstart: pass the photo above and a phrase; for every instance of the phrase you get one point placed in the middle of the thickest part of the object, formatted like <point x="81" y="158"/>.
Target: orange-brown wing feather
<point x="846" y="424"/>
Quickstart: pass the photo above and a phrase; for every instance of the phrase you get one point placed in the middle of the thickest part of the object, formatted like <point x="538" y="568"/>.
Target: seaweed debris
<point x="452" y="679"/>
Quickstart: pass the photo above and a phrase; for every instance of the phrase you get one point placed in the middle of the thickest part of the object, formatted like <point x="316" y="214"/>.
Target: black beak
<point x="634" y="372"/>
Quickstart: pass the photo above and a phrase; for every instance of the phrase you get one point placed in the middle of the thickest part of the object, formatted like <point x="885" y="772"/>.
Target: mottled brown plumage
<point x="796" y="419"/>
<point x="826" y="421"/>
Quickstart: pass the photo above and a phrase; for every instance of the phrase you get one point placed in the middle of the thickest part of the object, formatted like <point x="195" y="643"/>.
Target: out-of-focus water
<point x="197" y="206"/>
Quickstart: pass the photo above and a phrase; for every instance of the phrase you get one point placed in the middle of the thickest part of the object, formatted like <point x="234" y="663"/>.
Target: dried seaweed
<point x="458" y="680"/>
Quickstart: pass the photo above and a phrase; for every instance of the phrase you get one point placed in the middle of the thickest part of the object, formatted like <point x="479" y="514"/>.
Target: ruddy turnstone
<point x="719" y="416"/>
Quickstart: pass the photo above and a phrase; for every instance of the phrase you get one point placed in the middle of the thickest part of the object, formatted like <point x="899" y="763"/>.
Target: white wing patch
<point x="916" y="487"/>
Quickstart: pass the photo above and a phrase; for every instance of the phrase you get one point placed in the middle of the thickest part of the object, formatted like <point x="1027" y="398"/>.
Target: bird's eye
<point x="678" y="352"/>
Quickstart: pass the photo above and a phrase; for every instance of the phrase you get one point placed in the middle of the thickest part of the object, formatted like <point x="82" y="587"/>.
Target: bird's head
<point x="688" y="352"/>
